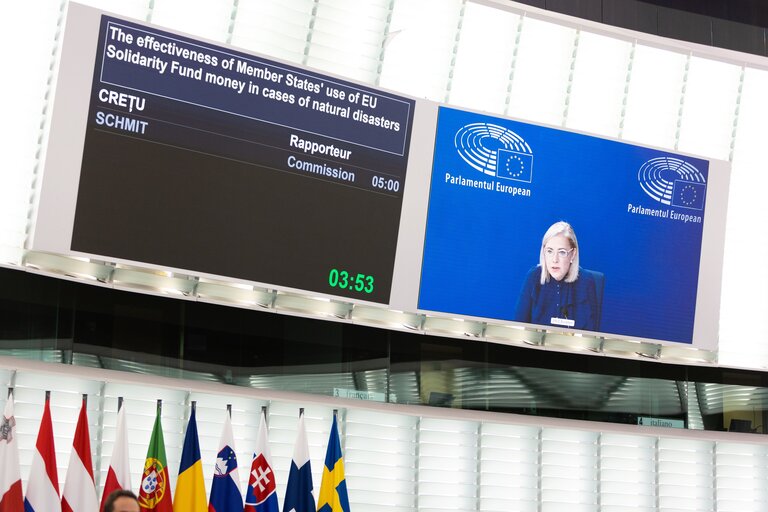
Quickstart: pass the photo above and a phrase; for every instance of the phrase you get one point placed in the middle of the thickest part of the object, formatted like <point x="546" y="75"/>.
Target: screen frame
<point x="55" y="202"/>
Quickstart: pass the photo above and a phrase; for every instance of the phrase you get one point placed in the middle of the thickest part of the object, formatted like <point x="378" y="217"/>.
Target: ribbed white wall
<point x="405" y="458"/>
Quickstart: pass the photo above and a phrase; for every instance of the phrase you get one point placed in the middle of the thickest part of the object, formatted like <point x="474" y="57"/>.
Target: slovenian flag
<point x="333" y="489"/>
<point x="190" y="487"/>
<point x="11" y="497"/>
<point x="225" y="488"/>
<point x="79" y="490"/>
<point x="261" y="494"/>
<point x="43" y="484"/>
<point x="119" y="474"/>
<point x="298" y="493"/>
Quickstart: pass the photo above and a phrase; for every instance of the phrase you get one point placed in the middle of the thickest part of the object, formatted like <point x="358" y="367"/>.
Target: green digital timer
<point x="348" y="281"/>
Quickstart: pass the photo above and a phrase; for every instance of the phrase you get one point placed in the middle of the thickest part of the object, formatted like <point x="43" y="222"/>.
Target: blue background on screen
<point x="480" y="244"/>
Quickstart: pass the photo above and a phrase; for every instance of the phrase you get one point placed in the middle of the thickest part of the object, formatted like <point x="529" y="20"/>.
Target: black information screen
<point x="207" y="159"/>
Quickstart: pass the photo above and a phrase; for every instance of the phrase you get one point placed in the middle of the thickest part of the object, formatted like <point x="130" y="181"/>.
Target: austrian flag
<point x="79" y="490"/>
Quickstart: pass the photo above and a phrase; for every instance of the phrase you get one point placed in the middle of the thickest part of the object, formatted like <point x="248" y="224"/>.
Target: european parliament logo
<point x="495" y="151"/>
<point x="673" y="182"/>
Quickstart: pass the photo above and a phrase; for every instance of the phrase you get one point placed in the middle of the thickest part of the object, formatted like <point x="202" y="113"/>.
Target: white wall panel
<point x="447" y="465"/>
<point x="741" y="477"/>
<point x="26" y="51"/>
<point x="419" y="49"/>
<point x="541" y="72"/>
<point x="481" y="76"/>
<point x="347" y="38"/>
<point x="209" y="19"/>
<point x="742" y="339"/>
<point x="569" y="470"/>
<point x="136" y="9"/>
<point x="509" y="467"/>
<point x="685" y="475"/>
<point x="278" y="28"/>
<point x="654" y="94"/>
<point x="709" y="108"/>
<point x="600" y="72"/>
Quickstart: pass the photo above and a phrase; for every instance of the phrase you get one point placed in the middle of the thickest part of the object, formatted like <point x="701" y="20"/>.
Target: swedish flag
<point x="333" y="490"/>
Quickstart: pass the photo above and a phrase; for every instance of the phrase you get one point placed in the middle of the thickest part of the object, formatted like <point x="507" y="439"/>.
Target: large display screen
<point x="554" y="228"/>
<point x="179" y="155"/>
<point x="204" y="158"/>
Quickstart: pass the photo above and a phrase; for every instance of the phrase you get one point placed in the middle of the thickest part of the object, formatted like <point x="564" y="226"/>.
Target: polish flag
<point x="119" y="475"/>
<point x="43" y="484"/>
<point x="11" y="497"/>
<point x="79" y="490"/>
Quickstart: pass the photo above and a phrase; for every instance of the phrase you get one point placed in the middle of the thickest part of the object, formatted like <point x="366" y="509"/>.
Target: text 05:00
<point x="388" y="184"/>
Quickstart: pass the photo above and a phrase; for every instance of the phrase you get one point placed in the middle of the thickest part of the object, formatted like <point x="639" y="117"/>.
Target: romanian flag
<point x="333" y="489"/>
<point x="155" y="490"/>
<point x="190" y="487"/>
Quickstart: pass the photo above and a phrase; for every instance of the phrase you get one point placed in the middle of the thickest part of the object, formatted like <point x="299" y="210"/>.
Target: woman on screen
<point x="558" y="291"/>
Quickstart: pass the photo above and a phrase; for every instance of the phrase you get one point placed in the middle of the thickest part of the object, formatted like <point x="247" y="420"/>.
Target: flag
<point x="119" y="474"/>
<point x="225" y="488"/>
<point x="261" y="494"/>
<point x="333" y="489"/>
<point x="43" y="484"/>
<point x="155" y="490"/>
<point x="190" y="487"/>
<point x="689" y="194"/>
<point x="298" y="493"/>
<point x="79" y="490"/>
<point x="11" y="497"/>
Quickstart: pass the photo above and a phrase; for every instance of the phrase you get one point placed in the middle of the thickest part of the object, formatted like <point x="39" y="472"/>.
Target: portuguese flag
<point x="155" y="491"/>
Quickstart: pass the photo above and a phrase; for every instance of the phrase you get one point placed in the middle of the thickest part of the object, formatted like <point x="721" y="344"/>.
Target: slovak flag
<point x="261" y="494"/>
<point x="43" y="484"/>
<point x="119" y="474"/>
<point x="225" y="488"/>
<point x="11" y="497"/>
<point x="79" y="490"/>
<point x="298" y="492"/>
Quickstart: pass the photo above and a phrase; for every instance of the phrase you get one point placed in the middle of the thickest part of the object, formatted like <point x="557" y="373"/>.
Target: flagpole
<point x="194" y="405"/>
<point x="264" y="414"/>
<point x="229" y="410"/>
<point x="47" y="395"/>
<point x="85" y="399"/>
<point x="119" y="403"/>
<point x="159" y="406"/>
<point x="10" y="391"/>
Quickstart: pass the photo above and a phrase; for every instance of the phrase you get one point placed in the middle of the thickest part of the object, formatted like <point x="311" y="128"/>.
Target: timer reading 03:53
<point x="345" y="280"/>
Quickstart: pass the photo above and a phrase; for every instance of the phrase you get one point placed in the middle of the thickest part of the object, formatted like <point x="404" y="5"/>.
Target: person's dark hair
<point x="109" y="504"/>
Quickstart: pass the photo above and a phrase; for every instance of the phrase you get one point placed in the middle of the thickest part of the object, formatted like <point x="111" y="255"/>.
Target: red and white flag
<point x="43" y="484"/>
<point x="79" y="490"/>
<point x="119" y="475"/>
<point x="11" y="497"/>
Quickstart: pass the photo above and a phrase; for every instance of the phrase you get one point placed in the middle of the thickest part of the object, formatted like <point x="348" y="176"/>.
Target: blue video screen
<point x="548" y="227"/>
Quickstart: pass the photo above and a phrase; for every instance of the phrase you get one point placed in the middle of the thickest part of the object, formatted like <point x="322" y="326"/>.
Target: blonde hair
<point x="565" y="229"/>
